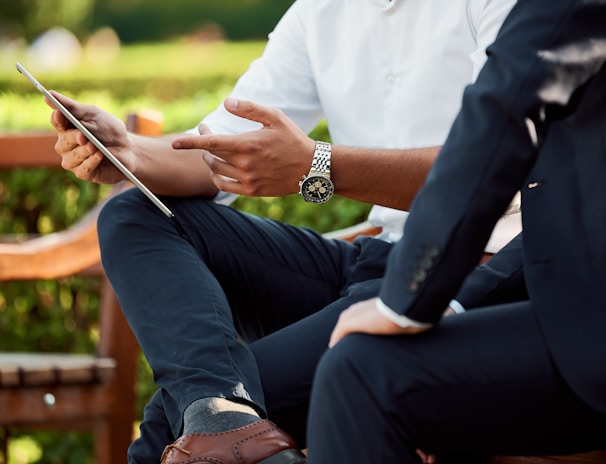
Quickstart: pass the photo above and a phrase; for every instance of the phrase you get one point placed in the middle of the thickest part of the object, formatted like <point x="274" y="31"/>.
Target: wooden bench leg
<point x="5" y="433"/>
<point x="112" y="439"/>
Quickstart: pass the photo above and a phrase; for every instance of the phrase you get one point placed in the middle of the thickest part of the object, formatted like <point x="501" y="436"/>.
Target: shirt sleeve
<point x="281" y="78"/>
<point x="487" y="18"/>
<point x="456" y="306"/>
<point x="398" y="319"/>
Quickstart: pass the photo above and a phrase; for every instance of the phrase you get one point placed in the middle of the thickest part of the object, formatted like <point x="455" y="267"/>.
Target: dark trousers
<point x="478" y="384"/>
<point x="226" y="304"/>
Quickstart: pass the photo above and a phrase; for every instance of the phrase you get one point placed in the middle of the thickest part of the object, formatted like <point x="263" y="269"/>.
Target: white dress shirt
<point x="383" y="73"/>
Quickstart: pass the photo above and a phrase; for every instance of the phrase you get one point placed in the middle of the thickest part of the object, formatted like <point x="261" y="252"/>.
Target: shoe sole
<point x="286" y="457"/>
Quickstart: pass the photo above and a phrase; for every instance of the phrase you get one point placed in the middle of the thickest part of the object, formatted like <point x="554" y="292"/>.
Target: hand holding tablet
<point x="91" y="137"/>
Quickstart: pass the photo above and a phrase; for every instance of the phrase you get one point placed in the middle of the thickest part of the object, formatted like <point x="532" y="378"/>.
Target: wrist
<point x="316" y="186"/>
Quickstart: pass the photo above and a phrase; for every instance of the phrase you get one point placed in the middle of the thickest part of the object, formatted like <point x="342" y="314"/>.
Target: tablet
<point x="102" y="148"/>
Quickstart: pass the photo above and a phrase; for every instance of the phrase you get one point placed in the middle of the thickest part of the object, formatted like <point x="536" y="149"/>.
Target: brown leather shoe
<point x="261" y="442"/>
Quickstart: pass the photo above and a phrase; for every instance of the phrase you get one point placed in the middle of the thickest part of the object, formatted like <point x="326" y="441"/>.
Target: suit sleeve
<point x="542" y="58"/>
<point x="498" y="281"/>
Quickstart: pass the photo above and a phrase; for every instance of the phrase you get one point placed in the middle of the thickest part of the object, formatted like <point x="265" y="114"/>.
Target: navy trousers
<point x="479" y="384"/>
<point x="226" y="304"/>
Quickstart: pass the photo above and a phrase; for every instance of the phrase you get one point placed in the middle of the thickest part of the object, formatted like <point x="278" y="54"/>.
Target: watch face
<point x="317" y="189"/>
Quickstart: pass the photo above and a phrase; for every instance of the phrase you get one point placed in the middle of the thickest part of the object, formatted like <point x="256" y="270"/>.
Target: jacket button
<point x="426" y="263"/>
<point x="433" y="251"/>
<point x="420" y="275"/>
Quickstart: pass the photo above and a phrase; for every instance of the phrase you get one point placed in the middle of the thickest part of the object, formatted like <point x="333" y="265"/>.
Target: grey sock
<point x="211" y="415"/>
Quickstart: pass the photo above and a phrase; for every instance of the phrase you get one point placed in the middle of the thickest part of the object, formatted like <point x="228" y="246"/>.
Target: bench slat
<point x="29" y="150"/>
<point x="37" y="369"/>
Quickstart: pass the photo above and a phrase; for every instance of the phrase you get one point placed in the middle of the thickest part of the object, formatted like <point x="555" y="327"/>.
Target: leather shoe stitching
<point x="236" y="445"/>
<point x="171" y="447"/>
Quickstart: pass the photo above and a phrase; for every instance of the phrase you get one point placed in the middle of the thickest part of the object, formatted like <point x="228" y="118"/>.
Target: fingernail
<point x="231" y="102"/>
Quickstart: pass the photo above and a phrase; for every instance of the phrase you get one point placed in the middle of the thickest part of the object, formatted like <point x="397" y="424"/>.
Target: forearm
<point x="381" y="176"/>
<point x="167" y="171"/>
<point x="272" y="160"/>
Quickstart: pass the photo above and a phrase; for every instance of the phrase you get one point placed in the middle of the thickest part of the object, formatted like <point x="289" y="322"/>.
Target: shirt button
<point x="391" y="78"/>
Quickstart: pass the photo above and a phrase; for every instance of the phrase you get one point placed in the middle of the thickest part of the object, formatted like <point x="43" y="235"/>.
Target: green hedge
<point x="137" y="21"/>
<point x="159" y="19"/>
<point x="163" y="72"/>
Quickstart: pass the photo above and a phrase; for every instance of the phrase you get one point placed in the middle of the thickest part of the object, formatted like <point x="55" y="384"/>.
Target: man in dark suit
<point x="527" y="374"/>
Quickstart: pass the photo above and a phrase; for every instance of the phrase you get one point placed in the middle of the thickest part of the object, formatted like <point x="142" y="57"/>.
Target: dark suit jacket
<point x="535" y="120"/>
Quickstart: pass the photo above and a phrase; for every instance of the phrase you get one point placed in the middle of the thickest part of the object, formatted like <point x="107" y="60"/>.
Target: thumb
<point x="251" y="111"/>
<point x="79" y="110"/>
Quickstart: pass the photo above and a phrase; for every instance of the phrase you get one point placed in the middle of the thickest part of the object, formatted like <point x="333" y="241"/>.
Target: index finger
<point x="80" y="111"/>
<point x="252" y="111"/>
<point x="209" y="142"/>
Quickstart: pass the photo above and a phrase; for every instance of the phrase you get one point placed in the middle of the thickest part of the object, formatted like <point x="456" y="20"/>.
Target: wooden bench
<point x="592" y="457"/>
<point x="61" y="391"/>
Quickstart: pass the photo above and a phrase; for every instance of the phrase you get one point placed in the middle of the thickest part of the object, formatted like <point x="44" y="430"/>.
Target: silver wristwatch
<point x="316" y="186"/>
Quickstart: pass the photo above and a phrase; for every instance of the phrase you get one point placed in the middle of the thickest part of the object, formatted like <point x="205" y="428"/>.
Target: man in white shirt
<point x="384" y="74"/>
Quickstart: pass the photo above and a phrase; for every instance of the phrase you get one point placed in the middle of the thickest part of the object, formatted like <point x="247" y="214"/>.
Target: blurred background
<point x="131" y="52"/>
<point x="179" y="58"/>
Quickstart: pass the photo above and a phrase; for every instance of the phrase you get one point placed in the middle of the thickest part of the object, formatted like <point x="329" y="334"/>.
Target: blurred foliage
<point x="143" y="20"/>
<point x="163" y="72"/>
<point x="29" y="18"/>
<point x="61" y="315"/>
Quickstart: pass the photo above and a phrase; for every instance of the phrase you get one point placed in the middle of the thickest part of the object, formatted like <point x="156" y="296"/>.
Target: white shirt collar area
<point x="399" y="319"/>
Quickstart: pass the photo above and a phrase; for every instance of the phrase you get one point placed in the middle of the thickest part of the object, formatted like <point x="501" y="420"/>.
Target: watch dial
<point x="317" y="189"/>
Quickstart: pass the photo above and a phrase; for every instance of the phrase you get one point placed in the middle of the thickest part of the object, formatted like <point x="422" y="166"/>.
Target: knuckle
<point x="58" y="145"/>
<point x="277" y="114"/>
<point x="252" y="191"/>
<point x="251" y="179"/>
<point x="81" y="173"/>
<point x="247" y="165"/>
<point x="213" y="144"/>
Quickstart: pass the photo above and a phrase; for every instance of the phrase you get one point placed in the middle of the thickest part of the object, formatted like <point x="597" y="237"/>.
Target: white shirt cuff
<point x="456" y="306"/>
<point x="398" y="319"/>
